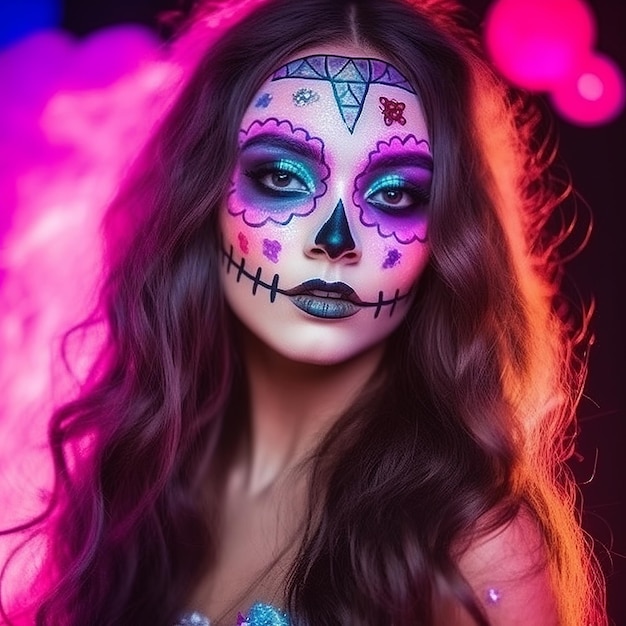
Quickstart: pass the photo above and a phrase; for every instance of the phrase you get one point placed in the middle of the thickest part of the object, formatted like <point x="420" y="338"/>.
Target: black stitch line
<point x="257" y="280"/>
<point x="379" y="304"/>
<point x="395" y="301"/>
<point x="230" y="260"/>
<point x="240" y="271"/>
<point x="274" y="289"/>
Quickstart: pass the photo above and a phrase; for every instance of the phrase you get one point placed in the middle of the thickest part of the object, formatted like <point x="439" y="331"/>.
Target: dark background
<point x="596" y="159"/>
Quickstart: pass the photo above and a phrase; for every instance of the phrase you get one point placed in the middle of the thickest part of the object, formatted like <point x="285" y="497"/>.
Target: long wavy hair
<point x="468" y="420"/>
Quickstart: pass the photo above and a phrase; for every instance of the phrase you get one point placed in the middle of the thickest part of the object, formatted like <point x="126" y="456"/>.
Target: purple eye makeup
<point x="393" y="191"/>
<point x="281" y="173"/>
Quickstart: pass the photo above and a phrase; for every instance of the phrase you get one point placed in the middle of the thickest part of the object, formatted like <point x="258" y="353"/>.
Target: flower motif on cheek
<point x="405" y="225"/>
<point x="243" y="243"/>
<point x="392" y="259"/>
<point x="257" y="193"/>
<point x="271" y="249"/>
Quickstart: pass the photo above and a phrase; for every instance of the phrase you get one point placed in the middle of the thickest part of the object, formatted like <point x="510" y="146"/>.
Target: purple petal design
<point x="403" y="229"/>
<point x="253" y="214"/>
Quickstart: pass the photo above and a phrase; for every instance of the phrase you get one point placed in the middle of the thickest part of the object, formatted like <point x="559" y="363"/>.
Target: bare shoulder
<point x="509" y="572"/>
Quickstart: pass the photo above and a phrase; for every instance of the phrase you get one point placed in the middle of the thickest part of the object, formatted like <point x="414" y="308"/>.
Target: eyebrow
<point x="422" y="160"/>
<point x="286" y="143"/>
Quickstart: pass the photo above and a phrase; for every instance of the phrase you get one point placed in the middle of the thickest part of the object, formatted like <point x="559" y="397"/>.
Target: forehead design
<point x="350" y="78"/>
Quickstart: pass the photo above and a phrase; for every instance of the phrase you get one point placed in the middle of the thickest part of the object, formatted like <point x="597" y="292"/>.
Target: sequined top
<point x="259" y="615"/>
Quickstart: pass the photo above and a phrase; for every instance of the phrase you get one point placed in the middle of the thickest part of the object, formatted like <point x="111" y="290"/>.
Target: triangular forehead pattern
<point x="349" y="77"/>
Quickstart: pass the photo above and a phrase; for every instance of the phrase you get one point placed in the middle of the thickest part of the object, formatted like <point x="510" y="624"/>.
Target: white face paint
<point x="324" y="229"/>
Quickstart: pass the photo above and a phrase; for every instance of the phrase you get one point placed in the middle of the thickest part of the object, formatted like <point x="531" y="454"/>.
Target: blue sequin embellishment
<point x="266" y="615"/>
<point x="260" y="614"/>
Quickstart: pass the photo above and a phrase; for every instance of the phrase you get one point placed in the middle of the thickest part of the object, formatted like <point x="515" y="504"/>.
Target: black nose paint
<point x="334" y="236"/>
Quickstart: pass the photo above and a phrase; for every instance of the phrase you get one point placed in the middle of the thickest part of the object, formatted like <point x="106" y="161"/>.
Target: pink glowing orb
<point x="537" y="43"/>
<point x="594" y="94"/>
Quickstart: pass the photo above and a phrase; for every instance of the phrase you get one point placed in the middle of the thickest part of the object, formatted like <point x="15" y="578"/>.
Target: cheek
<point x="260" y="244"/>
<point x="401" y="265"/>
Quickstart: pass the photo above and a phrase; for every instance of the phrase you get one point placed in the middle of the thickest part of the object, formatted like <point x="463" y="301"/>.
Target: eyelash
<point x="295" y="170"/>
<point x="418" y="195"/>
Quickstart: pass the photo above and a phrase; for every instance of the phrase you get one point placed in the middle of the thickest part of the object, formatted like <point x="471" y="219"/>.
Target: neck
<point x="292" y="406"/>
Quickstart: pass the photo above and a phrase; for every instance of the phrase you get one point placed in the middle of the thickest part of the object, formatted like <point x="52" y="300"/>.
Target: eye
<point x="283" y="178"/>
<point x="395" y="195"/>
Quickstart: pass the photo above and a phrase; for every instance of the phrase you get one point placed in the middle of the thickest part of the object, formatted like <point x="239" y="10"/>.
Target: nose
<point x="334" y="238"/>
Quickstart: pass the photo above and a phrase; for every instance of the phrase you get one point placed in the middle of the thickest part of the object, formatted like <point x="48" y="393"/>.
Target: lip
<point x="325" y="300"/>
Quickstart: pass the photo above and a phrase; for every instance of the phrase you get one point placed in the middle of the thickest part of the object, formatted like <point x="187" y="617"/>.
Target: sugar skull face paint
<point x="350" y="78"/>
<point x="334" y="216"/>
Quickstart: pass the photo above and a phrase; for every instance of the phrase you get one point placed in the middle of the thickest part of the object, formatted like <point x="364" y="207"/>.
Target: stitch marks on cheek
<point x="392" y="259"/>
<point x="271" y="248"/>
<point x="258" y="280"/>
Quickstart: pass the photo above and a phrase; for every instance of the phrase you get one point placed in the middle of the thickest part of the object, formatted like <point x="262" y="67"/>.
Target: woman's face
<point x="324" y="228"/>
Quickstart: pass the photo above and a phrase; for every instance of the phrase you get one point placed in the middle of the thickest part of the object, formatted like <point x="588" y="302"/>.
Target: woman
<point x="334" y="387"/>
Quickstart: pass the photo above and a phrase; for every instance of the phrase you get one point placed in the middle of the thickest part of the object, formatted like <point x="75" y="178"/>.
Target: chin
<point x="321" y="351"/>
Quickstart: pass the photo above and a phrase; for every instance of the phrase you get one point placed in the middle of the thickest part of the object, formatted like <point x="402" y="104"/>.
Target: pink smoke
<point x="72" y="116"/>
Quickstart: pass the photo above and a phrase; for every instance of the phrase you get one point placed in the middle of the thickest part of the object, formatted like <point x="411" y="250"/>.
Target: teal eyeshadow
<point x="299" y="170"/>
<point x="391" y="181"/>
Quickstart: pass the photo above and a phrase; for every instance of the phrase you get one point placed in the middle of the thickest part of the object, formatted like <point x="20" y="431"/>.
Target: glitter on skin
<point x="393" y="258"/>
<point x="271" y="248"/>
<point x="493" y="596"/>
<point x="305" y="96"/>
<point x="243" y="243"/>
